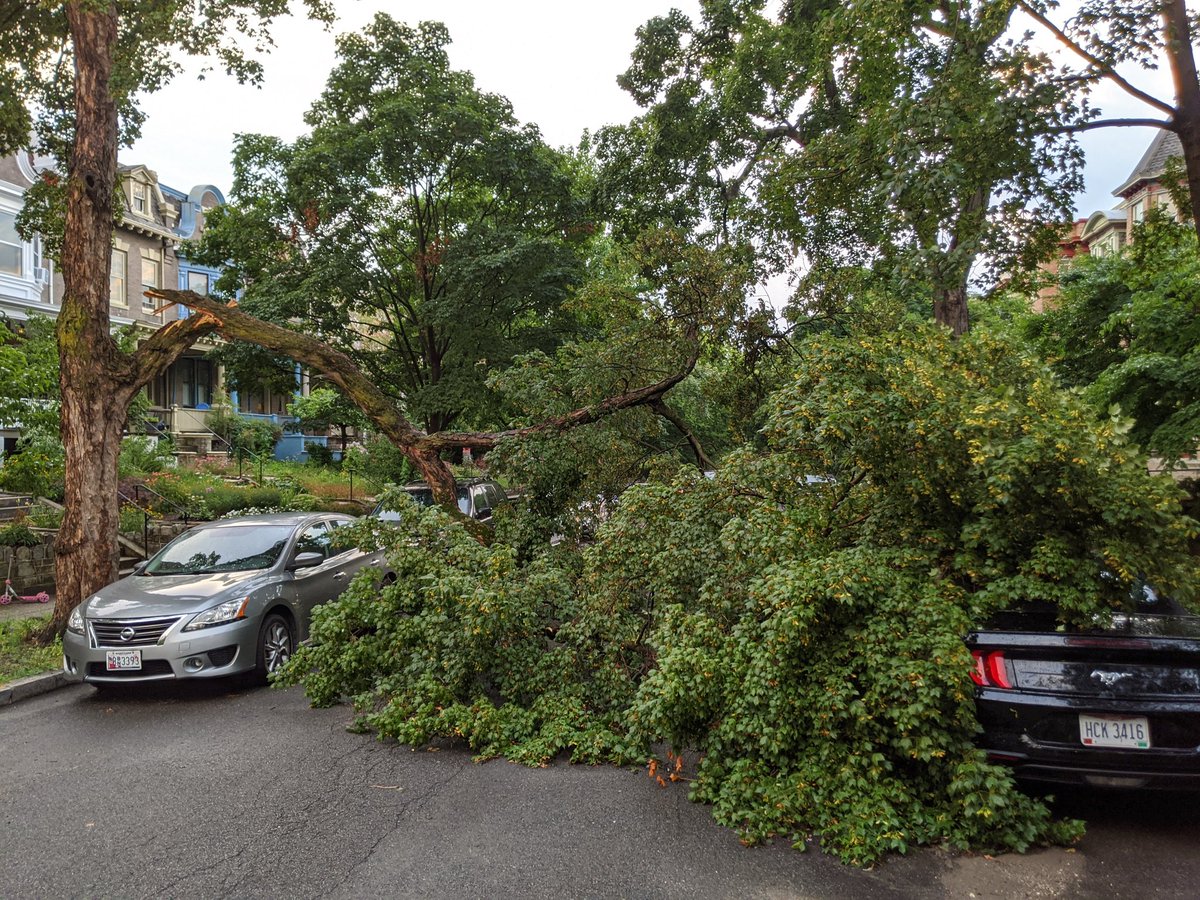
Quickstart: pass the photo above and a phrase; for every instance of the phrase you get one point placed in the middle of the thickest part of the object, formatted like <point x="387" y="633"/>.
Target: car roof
<point x="280" y="518"/>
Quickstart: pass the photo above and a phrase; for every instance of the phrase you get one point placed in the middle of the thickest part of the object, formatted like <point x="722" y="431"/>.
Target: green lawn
<point x="19" y="658"/>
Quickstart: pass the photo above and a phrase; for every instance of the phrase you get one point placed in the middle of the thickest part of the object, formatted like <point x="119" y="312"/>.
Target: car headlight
<point x="75" y="621"/>
<point x="229" y="611"/>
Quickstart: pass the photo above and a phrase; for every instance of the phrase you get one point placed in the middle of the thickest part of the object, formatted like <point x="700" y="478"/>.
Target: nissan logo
<point x="127" y="633"/>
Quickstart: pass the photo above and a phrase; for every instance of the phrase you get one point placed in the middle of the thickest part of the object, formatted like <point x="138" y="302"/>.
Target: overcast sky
<point x="556" y="61"/>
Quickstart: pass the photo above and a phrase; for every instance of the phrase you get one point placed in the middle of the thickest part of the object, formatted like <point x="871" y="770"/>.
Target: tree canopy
<point x="419" y="227"/>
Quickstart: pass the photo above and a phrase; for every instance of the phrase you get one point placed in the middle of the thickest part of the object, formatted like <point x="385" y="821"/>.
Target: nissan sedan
<point x="227" y="597"/>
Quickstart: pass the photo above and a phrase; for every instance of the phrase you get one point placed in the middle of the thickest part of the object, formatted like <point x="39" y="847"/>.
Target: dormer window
<point x="139" y="198"/>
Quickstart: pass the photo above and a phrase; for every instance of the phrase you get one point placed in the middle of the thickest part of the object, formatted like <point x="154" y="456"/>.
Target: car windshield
<point x="236" y="548"/>
<point x="424" y="497"/>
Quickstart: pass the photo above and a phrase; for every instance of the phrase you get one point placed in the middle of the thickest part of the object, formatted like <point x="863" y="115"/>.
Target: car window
<point x="230" y="548"/>
<point x="314" y="539"/>
<point x="496" y="496"/>
<point x="483" y="505"/>
<point x="340" y="540"/>
<point x="424" y="497"/>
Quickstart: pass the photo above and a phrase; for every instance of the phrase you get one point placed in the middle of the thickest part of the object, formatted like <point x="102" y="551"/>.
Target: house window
<point x="151" y="280"/>
<point x="118" y="292"/>
<point x="1139" y="210"/>
<point x="196" y="378"/>
<point x="139" y="198"/>
<point x="198" y="282"/>
<point x="11" y="248"/>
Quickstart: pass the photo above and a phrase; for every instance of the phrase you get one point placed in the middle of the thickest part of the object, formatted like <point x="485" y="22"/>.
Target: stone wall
<point x="159" y="535"/>
<point x="33" y="567"/>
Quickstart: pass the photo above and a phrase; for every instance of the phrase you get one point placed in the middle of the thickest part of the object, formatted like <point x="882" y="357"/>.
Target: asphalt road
<point x="236" y="792"/>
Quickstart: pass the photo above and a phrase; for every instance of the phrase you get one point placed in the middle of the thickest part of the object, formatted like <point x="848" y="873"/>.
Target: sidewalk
<point x="19" y="610"/>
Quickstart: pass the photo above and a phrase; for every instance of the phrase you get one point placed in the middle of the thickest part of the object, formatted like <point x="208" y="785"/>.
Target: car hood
<point x="148" y="596"/>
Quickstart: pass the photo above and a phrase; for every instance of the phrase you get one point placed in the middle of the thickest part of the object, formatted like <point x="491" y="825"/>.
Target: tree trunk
<point x="1177" y="37"/>
<point x="950" y="308"/>
<point x="97" y="381"/>
<point x="93" y="406"/>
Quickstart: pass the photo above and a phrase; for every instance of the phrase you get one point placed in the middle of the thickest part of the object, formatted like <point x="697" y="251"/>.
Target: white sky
<point x="555" y="60"/>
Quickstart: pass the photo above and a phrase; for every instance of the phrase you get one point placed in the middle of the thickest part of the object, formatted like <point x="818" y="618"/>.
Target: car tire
<point x="276" y="643"/>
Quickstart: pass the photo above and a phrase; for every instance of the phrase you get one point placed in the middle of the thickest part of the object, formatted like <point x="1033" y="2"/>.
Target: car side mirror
<point x="306" y="560"/>
<point x="140" y="568"/>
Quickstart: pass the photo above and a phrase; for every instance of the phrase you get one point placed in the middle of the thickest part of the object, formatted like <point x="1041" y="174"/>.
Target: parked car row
<point x="1112" y="707"/>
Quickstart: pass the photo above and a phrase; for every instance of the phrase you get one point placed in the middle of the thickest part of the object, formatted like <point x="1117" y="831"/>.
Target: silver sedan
<point x="224" y="598"/>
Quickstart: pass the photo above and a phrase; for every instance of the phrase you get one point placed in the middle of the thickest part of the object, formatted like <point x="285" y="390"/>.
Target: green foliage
<point x="458" y="647"/>
<point x="142" y="456"/>
<point x="20" y="655"/>
<point x="385" y="464"/>
<point x="1126" y="329"/>
<point x="37" y="467"/>
<point x="904" y="141"/>
<point x="326" y="407"/>
<point x="417" y="203"/>
<point x="248" y="437"/>
<point x="29" y="374"/>
<point x="804" y="635"/>
<point x="318" y="454"/>
<point x="18" y="534"/>
<point x="42" y="516"/>
<point x="130" y="519"/>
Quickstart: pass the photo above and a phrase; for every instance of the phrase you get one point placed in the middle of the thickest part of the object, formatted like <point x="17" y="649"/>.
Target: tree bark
<point x="97" y="381"/>
<point x="1177" y="38"/>
<point x="950" y="309"/>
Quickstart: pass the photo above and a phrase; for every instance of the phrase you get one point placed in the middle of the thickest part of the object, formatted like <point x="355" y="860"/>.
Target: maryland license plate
<point x="1127" y="732"/>
<point x="122" y="660"/>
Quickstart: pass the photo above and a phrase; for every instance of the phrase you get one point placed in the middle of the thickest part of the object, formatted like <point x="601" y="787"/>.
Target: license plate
<point x="121" y="660"/>
<point x="1128" y="732"/>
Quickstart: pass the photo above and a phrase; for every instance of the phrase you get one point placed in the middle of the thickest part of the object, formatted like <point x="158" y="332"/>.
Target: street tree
<point x="419" y="227"/>
<point x="912" y="140"/>
<point x="71" y="76"/>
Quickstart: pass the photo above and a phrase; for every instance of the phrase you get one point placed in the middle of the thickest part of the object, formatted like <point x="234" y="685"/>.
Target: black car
<point x="1111" y="707"/>
<point x="477" y="497"/>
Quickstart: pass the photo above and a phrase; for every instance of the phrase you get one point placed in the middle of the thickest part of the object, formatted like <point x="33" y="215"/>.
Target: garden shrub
<point x="223" y="499"/>
<point x="141" y="455"/>
<point x="385" y="464"/>
<point x="319" y="455"/>
<point x="803" y="635"/>
<point x="37" y="468"/>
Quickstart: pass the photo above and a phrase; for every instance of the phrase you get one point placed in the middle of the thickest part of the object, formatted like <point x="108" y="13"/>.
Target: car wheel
<point x="275" y="645"/>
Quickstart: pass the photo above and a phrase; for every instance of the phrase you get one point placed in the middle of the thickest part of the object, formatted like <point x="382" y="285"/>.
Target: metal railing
<point x="135" y="502"/>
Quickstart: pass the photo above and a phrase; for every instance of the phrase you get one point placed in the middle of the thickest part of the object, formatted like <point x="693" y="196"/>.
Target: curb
<point x="24" y="688"/>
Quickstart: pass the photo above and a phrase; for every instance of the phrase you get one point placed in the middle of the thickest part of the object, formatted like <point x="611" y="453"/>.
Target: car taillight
<point x="990" y="669"/>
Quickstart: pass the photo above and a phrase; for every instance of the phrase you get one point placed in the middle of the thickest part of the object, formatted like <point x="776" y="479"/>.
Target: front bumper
<point x="209" y="653"/>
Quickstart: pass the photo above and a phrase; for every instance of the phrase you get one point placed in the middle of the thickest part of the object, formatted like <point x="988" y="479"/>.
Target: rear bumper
<point x="1037" y="736"/>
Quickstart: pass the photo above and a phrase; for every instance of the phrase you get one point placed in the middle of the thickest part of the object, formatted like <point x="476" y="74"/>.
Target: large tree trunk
<point x="1177" y="37"/>
<point x="950" y="308"/>
<point x="93" y="408"/>
<point x="97" y="381"/>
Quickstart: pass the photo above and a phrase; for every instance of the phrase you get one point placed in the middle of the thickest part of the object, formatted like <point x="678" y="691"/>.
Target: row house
<point x="1107" y="231"/>
<point x="155" y="220"/>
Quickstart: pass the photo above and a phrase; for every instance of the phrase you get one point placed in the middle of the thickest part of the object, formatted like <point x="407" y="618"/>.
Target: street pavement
<point x="219" y="790"/>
